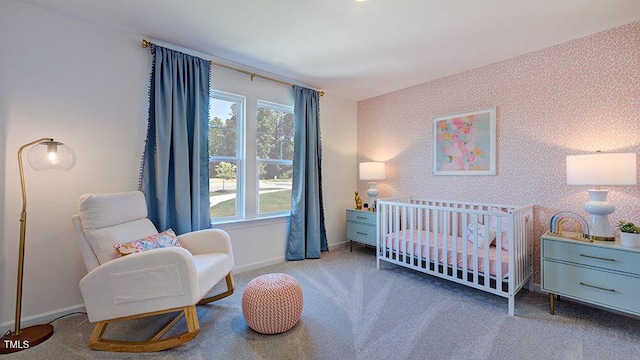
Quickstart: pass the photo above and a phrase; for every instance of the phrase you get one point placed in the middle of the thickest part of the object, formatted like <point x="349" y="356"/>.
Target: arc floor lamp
<point x="45" y="154"/>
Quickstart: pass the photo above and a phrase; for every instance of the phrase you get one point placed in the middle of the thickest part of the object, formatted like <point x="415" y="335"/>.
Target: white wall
<point x="339" y="166"/>
<point x="87" y="86"/>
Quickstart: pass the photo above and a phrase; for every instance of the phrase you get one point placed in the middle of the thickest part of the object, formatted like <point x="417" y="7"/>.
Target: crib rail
<point x="434" y="237"/>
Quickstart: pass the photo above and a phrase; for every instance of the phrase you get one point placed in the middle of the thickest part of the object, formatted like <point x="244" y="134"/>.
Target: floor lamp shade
<point x="601" y="169"/>
<point x="371" y="171"/>
<point x="51" y="155"/>
<point x="45" y="154"/>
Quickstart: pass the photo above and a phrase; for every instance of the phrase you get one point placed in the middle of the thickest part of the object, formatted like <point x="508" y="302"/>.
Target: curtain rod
<point x="146" y="44"/>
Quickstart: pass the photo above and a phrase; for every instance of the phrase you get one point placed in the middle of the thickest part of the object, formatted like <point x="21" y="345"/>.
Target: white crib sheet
<point x="421" y="236"/>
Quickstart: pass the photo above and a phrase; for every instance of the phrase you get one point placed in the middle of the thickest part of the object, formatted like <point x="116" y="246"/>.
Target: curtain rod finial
<point x="145" y="43"/>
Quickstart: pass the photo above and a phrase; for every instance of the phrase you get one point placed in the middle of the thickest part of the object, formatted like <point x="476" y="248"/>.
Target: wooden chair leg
<point x="230" y="289"/>
<point x="167" y="327"/>
<point x="156" y="343"/>
<point x="97" y="342"/>
<point x="98" y="332"/>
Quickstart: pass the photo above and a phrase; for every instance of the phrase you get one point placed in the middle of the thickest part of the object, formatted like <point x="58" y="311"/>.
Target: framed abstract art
<point x="465" y="144"/>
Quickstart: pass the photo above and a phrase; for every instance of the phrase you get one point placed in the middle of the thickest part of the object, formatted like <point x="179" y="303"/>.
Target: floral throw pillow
<point x="162" y="240"/>
<point x="471" y="234"/>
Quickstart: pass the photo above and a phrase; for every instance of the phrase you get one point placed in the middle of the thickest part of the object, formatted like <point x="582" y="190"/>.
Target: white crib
<point x="446" y="239"/>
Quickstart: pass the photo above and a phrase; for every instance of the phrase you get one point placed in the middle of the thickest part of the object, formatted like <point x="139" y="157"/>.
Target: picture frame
<point x="465" y="144"/>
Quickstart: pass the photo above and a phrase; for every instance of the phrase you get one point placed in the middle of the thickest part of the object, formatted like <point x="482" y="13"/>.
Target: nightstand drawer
<point x="596" y="256"/>
<point x="361" y="233"/>
<point x="600" y="287"/>
<point x="361" y="216"/>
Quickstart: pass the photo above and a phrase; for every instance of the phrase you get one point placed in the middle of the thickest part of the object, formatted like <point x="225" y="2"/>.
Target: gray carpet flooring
<point x="353" y="311"/>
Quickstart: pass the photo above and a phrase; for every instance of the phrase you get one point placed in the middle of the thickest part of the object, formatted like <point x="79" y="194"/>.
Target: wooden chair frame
<point x="156" y="342"/>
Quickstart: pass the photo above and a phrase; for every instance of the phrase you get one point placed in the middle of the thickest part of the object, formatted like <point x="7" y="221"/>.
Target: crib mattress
<point x="419" y="242"/>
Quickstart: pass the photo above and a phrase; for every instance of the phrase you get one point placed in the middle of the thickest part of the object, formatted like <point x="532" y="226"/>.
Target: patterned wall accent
<point x="576" y="97"/>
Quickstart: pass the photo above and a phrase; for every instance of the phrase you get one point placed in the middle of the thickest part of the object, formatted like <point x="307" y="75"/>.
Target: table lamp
<point x="372" y="171"/>
<point x="601" y="169"/>
<point x="45" y="154"/>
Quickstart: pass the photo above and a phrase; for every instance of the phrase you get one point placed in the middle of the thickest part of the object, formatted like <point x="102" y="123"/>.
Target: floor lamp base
<point x="28" y="338"/>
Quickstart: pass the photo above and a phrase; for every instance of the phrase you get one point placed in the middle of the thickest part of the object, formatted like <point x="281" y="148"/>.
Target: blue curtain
<point x="175" y="165"/>
<point x="307" y="234"/>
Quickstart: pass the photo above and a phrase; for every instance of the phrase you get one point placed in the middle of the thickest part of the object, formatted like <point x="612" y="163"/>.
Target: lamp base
<point x="602" y="238"/>
<point x="28" y="338"/>
<point x="599" y="210"/>
<point x="373" y="193"/>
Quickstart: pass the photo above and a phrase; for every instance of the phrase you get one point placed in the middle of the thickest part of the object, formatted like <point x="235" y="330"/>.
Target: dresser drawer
<point x="592" y="285"/>
<point x="596" y="256"/>
<point x="362" y="233"/>
<point x="361" y="216"/>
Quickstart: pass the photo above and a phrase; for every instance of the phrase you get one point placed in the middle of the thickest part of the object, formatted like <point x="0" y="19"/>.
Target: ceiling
<point x="356" y="50"/>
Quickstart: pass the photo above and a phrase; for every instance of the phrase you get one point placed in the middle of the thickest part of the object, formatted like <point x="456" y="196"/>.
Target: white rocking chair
<point x="170" y="279"/>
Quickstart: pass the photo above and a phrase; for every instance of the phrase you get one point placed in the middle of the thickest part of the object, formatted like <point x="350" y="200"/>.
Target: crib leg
<point x="512" y="305"/>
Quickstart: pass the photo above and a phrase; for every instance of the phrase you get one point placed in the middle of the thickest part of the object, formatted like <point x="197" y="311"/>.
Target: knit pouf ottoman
<point x="272" y="303"/>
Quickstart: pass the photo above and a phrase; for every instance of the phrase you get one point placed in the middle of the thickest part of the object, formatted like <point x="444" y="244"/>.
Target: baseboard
<point x="536" y="288"/>
<point x="278" y="260"/>
<point x="42" y="318"/>
<point x="337" y="245"/>
<point x="258" y="265"/>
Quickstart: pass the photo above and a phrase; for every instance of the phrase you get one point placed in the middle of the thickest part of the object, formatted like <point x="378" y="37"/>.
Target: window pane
<point x="275" y="134"/>
<point x="223" y="127"/>
<point x="223" y="188"/>
<point x="274" y="194"/>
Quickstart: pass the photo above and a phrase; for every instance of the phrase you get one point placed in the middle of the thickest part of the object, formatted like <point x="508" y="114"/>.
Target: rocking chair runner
<point x="166" y="280"/>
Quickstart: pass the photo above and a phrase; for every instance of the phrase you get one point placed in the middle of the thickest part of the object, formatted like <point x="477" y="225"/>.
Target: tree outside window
<point x="273" y="127"/>
<point x="275" y="130"/>
<point x="225" y="139"/>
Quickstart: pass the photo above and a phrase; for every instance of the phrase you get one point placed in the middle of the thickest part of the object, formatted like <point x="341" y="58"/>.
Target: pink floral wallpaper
<point x="573" y="98"/>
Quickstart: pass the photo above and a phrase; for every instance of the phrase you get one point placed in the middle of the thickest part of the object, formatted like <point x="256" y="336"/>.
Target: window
<point x="251" y="157"/>
<point x="226" y="167"/>
<point x="274" y="157"/>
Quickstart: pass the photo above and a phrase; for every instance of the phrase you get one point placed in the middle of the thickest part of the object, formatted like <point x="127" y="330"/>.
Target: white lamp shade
<point x="372" y="171"/>
<point x="51" y="155"/>
<point x="602" y="169"/>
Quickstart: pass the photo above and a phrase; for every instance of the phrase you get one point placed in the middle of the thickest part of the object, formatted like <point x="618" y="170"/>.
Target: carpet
<point x="353" y="311"/>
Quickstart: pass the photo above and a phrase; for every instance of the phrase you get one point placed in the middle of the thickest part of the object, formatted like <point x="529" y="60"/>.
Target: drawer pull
<point x="597" y="257"/>
<point x="361" y="233"/>
<point x="361" y="217"/>
<point x="597" y="287"/>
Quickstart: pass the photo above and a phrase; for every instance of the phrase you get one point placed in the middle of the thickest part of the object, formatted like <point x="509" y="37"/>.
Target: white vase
<point x="630" y="240"/>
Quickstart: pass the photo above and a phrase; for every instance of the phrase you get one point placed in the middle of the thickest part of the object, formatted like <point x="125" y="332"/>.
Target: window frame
<point x="240" y="157"/>
<point x="276" y="107"/>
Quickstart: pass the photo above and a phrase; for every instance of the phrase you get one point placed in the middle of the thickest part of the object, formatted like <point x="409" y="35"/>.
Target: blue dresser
<point x="603" y="273"/>
<point x="361" y="227"/>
